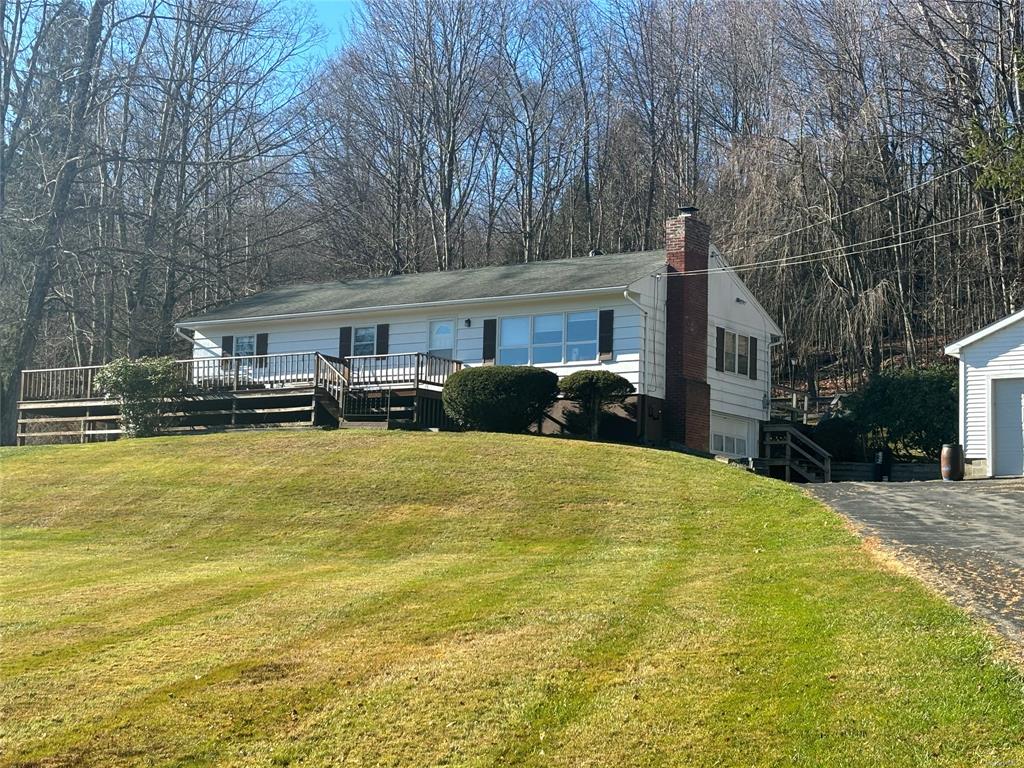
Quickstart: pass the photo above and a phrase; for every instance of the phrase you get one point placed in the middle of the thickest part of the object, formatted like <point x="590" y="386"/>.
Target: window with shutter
<point x="490" y="340"/>
<point x="606" y="334"/>
<point x="227" y="349"/>
<point x="345" y="341"/>
<point x="262" y="342"/>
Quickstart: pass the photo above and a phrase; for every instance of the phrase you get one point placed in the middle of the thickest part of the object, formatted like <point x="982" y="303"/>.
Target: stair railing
<point x="796" y="441"/>
<point x="328" y="375"/>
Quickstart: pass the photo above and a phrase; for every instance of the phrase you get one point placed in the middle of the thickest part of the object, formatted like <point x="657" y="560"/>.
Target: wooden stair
<point x="793" y="456"/>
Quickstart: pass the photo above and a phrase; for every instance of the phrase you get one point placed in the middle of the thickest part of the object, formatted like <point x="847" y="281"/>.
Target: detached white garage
<point x="992" y="398"/>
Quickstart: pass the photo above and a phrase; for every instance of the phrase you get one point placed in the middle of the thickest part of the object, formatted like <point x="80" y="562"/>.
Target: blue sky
<point x="334" y="17"/>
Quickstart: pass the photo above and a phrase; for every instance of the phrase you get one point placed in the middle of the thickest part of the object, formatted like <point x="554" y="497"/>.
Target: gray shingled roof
<point x="585" y="273"/>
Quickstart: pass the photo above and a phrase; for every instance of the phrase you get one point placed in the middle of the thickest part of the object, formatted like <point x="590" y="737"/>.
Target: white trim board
<point x="954" y="348"/>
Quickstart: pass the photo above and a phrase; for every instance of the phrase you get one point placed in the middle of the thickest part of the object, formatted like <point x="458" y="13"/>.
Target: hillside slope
<point x="417" y="599"/>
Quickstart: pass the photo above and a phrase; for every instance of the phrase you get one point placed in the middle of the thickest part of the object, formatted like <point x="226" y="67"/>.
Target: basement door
<point x="1008" y="427"/>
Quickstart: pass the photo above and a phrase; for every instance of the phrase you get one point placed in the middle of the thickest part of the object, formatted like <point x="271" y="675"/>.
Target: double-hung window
<point x="736" y="353"/>
<point x="547" y="339"/>
<point x="442" y="338"/>
<point x="364" y="340"/>
<point x="581" y="336"/>
<point x="730" y="352"/>
<point x="743" y="355"/>
<point x="514" y="341"/>
<point x="245" y="346"/>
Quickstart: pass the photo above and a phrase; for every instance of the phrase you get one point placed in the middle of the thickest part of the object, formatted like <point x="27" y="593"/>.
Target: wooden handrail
<point x="793" y="439"/>
<point x="235" y="372"/>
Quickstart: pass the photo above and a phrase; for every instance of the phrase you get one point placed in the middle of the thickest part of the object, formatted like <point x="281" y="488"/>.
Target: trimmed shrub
<point x="593" y="390"/>
<point x="911" y="411"/>
<point x="499" y="398"/>
<point x="142" y="385"/>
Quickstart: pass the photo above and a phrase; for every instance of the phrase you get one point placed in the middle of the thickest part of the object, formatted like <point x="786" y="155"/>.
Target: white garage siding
<point x="998" y="355"/>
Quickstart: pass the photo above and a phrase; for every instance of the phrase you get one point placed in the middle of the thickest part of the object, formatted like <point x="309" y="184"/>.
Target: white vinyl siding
<point x="733" y="392"/>
<point x="409" y="331"/>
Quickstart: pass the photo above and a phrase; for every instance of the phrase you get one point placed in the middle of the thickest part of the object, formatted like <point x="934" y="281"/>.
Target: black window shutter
<point x="261" y="348"/>
<point x="605" y="334"/>
<point x="719" y="349"/>
<point x="753" y="357"/>
<point x="227" y="348"/>
<point x="490" y="340"/>
<point x="345" y="342"/>
<point x="383" y="332"/>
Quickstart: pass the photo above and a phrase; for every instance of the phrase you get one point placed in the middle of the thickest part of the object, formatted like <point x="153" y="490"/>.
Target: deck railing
<point x="244" y="372"/>
<point x="409" y="369"/>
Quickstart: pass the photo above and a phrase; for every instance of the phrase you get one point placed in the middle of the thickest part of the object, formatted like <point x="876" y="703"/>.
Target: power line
<point x="804" y="260"/>
<point x="840" y="251"/>
<point x="885" y="199"/>
<point x="844" y="250"/>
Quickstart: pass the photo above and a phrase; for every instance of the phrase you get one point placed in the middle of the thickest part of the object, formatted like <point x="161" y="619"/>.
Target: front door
<point x="1008" y="427"/>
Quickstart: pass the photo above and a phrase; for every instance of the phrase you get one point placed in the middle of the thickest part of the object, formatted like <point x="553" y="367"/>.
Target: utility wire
<point x="844" y="250"/>
<point x="841" y="251"/>
<point x="881" y="200"/>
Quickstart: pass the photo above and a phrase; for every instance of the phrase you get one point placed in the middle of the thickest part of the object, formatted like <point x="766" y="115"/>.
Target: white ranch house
<point x="678" y="323"/>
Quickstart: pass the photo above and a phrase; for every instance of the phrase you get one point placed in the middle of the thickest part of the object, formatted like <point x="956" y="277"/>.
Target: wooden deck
<point x="301" y="389"/>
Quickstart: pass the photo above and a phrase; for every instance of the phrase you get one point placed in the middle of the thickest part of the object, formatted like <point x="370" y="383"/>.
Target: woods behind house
<point x="862" y="161"/>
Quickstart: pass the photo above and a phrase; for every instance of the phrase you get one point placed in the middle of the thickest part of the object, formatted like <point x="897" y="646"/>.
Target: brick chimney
<point x="687" y="394"/>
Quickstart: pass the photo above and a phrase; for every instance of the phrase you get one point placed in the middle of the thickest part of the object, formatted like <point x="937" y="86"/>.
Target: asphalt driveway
<point x="968" y="535"/>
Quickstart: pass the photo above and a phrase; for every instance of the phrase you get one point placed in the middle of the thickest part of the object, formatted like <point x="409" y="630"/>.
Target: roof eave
<point x="954" y="349"/>
<point x="199" y="321"/>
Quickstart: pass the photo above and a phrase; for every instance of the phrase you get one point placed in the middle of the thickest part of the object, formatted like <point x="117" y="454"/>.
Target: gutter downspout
<point x="643" y="362"/>
<point x="768" y="392"/>
<point x="180" y="335"/>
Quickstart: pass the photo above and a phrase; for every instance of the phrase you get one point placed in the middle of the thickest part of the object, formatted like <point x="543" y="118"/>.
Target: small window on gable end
<point x="730" y="352"/>
<point x="742" y="354"/>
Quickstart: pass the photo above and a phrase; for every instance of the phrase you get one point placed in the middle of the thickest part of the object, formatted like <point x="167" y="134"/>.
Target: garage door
<point x="1008" y="425"/>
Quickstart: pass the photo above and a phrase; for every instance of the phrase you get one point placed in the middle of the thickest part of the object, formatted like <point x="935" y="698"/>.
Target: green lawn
<point x="368" y="598"/>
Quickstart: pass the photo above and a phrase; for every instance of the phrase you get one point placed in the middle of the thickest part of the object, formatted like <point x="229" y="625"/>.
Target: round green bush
<point x="143" y="385"/>
<point x="499" y="398"/>
<point x="593" y="390"/>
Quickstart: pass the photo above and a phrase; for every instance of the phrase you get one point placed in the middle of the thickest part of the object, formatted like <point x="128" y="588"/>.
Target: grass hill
<point x="376" y="598"/>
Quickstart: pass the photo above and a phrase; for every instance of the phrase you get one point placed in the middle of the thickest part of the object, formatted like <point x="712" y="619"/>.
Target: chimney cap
<point x="687" y="210"/>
